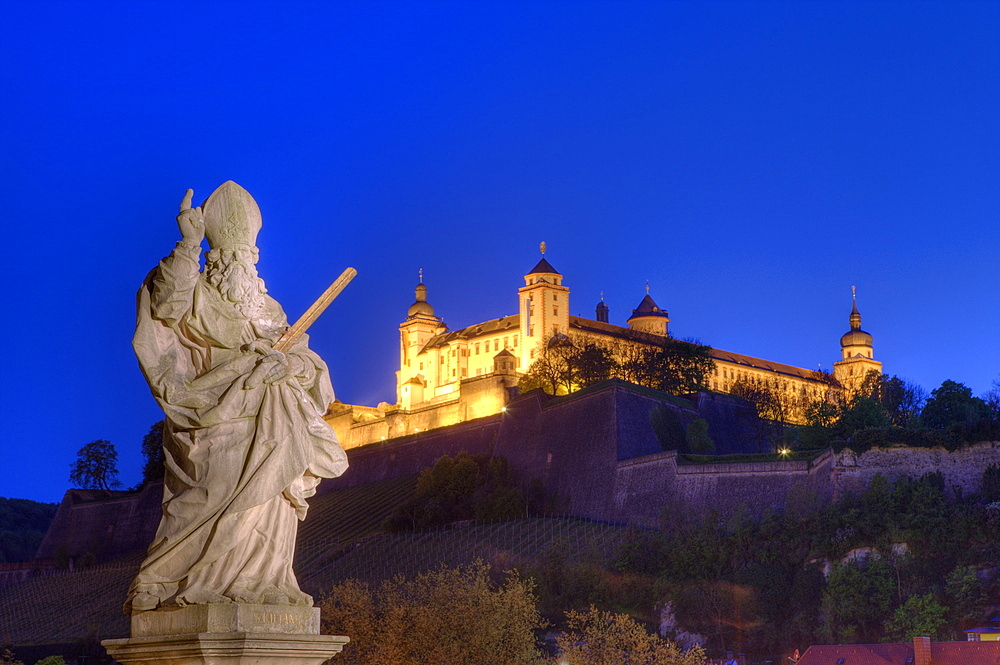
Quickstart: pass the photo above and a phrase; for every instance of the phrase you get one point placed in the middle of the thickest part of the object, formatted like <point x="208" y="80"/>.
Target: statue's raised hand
<point x="191" y="221"/>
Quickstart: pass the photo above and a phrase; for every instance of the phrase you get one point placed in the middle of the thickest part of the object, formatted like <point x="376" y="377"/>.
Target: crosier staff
<point x="292" y="335"/>
<point x="272" y="373"/>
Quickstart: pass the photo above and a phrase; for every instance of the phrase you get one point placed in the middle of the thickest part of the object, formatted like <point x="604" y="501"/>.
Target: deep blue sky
<point x="751" y="160"/>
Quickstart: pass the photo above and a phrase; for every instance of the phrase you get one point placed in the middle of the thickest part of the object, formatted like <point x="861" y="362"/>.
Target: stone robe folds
<point x="240" y="458"/>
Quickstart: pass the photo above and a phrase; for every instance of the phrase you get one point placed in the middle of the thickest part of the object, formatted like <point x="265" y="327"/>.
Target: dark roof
<point x="504" y="353"/>
<point x="647" y="307"/>
<point x="757" y="363"/>
<point x="856" y="337"/>
<point x="966" y="653"/>
<point x="600" y="327"/>
<point x="478" y="330"/>
<point x="544" y="266"/>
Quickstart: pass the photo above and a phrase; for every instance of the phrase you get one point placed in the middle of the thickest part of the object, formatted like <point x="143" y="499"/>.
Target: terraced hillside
<point x="65" y="606"/>
<point x="341" y="538"/>
<point x="504" y="545"/>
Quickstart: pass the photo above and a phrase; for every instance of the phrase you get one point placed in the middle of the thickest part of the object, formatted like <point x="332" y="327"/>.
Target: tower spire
<point x="855" y="315"/>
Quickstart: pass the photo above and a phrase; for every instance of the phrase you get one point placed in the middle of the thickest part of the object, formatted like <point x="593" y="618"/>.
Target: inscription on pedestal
<point x="284" y="620"/>
<point x="227" y="618"/>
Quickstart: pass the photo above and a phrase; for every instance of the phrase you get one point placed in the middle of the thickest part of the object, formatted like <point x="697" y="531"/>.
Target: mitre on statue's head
<point x="232" y="217"/>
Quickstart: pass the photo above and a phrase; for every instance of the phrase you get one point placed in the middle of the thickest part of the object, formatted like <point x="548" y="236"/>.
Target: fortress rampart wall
<point x="596" y="453"/>
<point x="963" y="468"/>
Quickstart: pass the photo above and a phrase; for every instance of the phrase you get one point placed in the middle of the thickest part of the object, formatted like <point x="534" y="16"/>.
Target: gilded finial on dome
<point x="647" y="287"/>
<point x="541" y="248"/>
<point x="420" y="275"/>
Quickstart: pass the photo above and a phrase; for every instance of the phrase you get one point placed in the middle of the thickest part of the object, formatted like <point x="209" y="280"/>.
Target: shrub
<point x="698" y="440"/>
<point x="448" y="616"/>
<point x="605" y="638"/>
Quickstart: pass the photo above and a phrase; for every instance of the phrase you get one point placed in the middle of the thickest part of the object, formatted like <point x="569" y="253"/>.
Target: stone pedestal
<point x="226" y="634"/>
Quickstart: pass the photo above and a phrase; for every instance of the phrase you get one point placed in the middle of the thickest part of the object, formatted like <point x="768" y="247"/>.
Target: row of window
<point x="733" y="375"/>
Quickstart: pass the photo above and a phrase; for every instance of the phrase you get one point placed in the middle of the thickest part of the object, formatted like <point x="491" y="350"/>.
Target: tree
<point x="23" y="524"/>
<point x="992" y="399"/>
<point x="673" y="366"/>
<point x="605" y="638"/>
<point x="724" y="611"/>
<point x="965" y="594"/>
<point x="592" y="363"/>
<point x="96" y="466"/>
<point x="857" y="598"/>
<point x="461" y="488"/>
<point x="901" y="400"/>
<point x="553" y="369"/>
<point x="953" y="403"/>
<point x="769" y="407"/>
<point x="918" y="616"/>
<point x="152" y="452"/>
<point x="861" y="413"/>
<point x="447" y="616"/>
<point x="698" y="439"/>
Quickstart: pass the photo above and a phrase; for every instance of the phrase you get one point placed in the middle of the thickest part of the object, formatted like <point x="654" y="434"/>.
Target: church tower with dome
<point x="419" y="327"/>
<point x="857" y="358"/>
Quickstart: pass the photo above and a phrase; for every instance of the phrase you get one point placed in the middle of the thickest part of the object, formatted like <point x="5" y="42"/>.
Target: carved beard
<point x="236" y="280"/>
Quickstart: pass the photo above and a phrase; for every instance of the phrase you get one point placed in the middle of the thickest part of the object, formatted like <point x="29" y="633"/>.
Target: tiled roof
<point x="942" y="653"/>
<point x="647" y="307"/>
<point x="757" y="363"/>
<point x="511" y="322"/>
<point x="600" y="327"/>
<point x="543" y="266"/>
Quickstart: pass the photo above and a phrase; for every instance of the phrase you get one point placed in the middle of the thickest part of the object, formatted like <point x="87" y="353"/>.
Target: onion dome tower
<point x="420" y="325"/>
<point x="856" y="351"/>
<point x="420" y="308"/>
<point x="648" y="317"/>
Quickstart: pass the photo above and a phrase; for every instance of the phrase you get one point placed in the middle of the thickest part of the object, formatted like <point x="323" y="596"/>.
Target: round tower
<point x="602" y="310"/>
<point x="649" y="318"/>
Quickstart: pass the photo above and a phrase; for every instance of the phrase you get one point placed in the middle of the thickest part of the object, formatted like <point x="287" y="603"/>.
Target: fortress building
<point x="451" y="376"/>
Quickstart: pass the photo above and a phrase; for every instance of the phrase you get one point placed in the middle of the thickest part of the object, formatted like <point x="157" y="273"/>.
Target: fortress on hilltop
<point x="447" y="377"/>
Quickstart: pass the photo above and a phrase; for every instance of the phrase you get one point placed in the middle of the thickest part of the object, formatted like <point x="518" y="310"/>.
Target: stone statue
<point x="245" y="441"/>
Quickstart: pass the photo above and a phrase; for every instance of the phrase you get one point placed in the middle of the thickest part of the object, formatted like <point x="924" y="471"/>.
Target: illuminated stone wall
<point x="473" y="398"/>
<point x="961" y="468"/>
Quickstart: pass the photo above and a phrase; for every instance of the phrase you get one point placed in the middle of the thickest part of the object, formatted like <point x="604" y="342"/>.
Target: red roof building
<point x="920" y="652"/>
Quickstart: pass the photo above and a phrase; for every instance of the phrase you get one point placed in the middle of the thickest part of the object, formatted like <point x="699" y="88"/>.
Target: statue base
<point x="226" y="634"/>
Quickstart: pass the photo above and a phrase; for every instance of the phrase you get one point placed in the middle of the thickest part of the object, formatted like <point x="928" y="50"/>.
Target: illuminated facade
<point x="451" y="376"/>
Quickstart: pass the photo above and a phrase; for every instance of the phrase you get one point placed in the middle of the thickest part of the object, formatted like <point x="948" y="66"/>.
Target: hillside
<point x="22" y="526"/>
<point x="341" y="538"/>
<point x="66" y="606"/>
